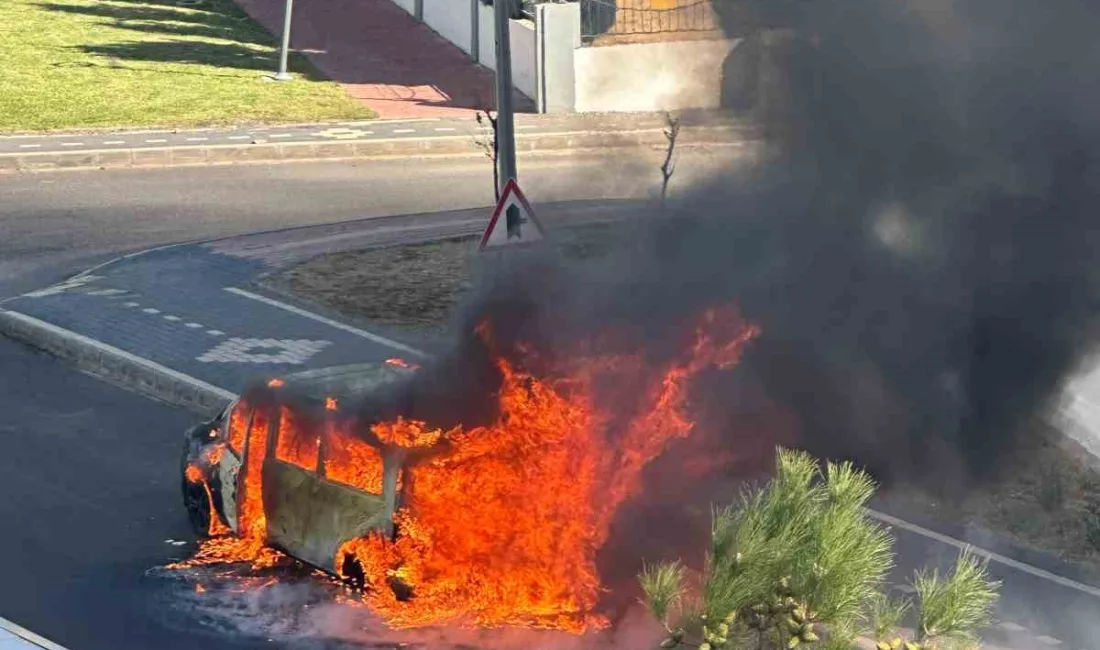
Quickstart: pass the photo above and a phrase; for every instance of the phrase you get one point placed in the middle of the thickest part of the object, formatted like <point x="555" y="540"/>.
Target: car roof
<point x="347" y="382"/>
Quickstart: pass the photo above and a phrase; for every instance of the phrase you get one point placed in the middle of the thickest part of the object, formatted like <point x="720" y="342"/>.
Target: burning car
<point x="489" y="520"/>
<point x="283" y="464"/>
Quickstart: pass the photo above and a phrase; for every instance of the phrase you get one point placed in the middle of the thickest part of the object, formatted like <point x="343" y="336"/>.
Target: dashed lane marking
<point x="445" y="128"/>
<point x="151" y="310"/>
<point x="281" y="135"/>
<point x="172" y="318"/>
<point x="131" y="304"/>
<point x="994" y="557"/>
<point x="327" y="321"/>
<point x="156" y="141"/>
<point x="113" y="142"/>
<point x="193" y="326"/>
<point x="404" y="130"/>
<point x="215" y="332"/>
<point x="197" y="139"/>
<point x="72" y="144"/>
<point x="106" y="292"/>
<point x="239" y="137"/>
<point x="30" y="146"/>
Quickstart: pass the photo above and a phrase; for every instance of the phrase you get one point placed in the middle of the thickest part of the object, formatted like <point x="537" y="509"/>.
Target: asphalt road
<point x="88" y="475"/>
<point x="56" y="223"/>
<point x="89" y="498"/>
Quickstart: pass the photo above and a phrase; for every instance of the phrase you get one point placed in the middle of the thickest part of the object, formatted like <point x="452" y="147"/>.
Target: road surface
<point x="89" y="471"/>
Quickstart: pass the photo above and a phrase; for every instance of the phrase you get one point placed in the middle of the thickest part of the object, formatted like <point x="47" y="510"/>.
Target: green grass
<point x="70" y="64"/>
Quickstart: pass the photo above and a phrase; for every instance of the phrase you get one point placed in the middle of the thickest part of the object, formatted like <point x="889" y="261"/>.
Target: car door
<point x="229" y="466"/>
<point x="348" y="499"/>
<point x="290" y="480"/>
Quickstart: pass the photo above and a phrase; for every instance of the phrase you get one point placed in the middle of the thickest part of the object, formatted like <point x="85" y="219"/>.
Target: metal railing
<point x="635" y="17"/>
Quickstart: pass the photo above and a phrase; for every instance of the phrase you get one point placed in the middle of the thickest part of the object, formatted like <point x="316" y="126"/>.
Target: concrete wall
<point x="523" y="49"/>
<point x="650" y="76"/>
<point x="557" y="38"/>
<point x="450" y="19"/>
<point x="407" y="5"/>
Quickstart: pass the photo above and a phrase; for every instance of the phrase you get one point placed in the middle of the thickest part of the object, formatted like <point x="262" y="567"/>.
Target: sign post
<point x="284" y="54"/>
<point x="519" y="227"/>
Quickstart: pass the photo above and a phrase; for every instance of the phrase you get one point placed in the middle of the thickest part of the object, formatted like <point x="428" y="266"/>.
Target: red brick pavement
<point x="393" y="63"/>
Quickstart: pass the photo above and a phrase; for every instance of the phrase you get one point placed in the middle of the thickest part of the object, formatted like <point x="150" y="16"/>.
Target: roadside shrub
<point x="798" y="562"/>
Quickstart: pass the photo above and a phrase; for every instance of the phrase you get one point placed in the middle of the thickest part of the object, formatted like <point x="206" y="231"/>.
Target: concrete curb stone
<point x="434" y="146"/>
<point x="114" y="365"/>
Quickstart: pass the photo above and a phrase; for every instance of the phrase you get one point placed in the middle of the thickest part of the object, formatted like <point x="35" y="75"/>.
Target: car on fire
<point x="317" y="479"/>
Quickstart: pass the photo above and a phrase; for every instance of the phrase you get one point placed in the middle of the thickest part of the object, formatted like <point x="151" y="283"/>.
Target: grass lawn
<point x="71" y="64"/>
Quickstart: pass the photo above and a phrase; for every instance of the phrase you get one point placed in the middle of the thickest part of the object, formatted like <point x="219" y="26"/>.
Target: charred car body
<point x="321" y="477"/>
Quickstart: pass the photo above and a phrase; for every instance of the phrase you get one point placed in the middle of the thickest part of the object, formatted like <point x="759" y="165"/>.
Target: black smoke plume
<point x="921" y="248"/>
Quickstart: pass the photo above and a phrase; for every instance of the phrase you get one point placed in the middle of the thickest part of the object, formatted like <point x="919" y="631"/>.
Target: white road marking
<point x="105" y="292"/>
<point x="114" y="142"/>
<point x="131" y="304"/>
<point x="1009" y="626"/>
<point x="404" y="130"/>
<point x="123" y="354"/>
<point x="71" y="283"/>
<point x="197" y="139"/>
<point x="29" y="146"/>
<point x="990" y="555"/>
<point x="72" y="144"/>
<point x="1048" y="640"/>
<point x="235" y="350"/>
<point x="172" y="318"/>
<point x="156" y="141"/>
<point x="445" y="128"/>
<point x="193" y="326"/>
<point x="27" y="636"/>
<point x="281" y="135"/>
<point x="327" y="321"/>
<point x="239" y="137"/>
<point x="150" y="310"/>
<point x="215" y="332"/>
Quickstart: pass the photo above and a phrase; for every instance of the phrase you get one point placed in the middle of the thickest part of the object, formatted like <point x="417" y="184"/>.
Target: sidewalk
<point x="384" y="57"/>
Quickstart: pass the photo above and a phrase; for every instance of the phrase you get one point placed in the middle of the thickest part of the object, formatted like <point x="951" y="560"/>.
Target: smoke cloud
<point x="921" y="250"/>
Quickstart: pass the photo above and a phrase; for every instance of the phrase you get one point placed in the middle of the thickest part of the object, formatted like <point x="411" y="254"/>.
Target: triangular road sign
<point x="519" y="225"/>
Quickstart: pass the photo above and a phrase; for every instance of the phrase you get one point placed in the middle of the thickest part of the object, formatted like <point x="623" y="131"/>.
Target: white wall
<point x="650" y="76"/>
<point x="486" y="36"/>
<point x="523" y="48"/>
<point x="451" y="19"/>
<point x="407" y="5"/>
<point x="524" y="60"/>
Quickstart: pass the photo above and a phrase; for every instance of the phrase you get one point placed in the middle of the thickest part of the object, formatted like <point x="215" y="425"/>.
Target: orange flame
<point x="330" y="403"/>
<point x="275" y="383"/>
<point x="401" y="363"/>
<point x="504" y="528"/>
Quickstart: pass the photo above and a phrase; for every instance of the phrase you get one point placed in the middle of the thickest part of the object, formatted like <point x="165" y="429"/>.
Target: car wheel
<point x="195" y="501"/>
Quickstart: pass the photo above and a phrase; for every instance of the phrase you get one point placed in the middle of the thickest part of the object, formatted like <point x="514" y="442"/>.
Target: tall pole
<point x="506" y="131"/>
<point x="284" y="55"/>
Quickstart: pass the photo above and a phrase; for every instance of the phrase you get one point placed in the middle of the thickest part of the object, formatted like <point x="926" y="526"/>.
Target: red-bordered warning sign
<point x="518" y="227"/>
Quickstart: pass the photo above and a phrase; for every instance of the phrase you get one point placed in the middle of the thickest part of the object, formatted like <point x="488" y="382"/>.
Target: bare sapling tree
<point x="489" y="145"/>
<point x="668" y="167"/>
<point x="799" y="562"/>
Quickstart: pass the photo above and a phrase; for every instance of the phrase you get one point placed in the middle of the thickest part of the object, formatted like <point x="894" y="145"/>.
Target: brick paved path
<point x="383" y="56"/>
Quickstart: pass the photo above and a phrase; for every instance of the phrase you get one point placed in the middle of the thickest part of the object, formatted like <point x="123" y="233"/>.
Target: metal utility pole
<point x="505" y="131"/>
<point x="283" y="75"/>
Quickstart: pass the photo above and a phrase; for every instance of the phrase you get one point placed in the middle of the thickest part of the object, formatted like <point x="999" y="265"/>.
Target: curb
<point x="350" y="149"/>
<point x="116" y="366"/>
